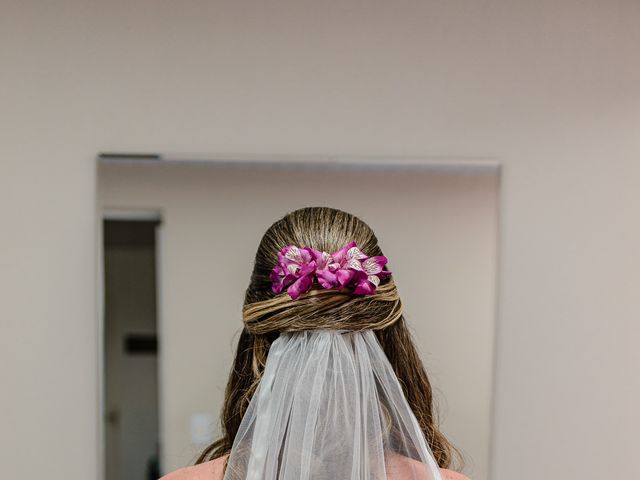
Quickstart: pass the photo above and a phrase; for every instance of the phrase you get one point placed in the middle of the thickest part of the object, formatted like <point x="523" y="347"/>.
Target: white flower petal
<point x="371" y="266"/>
<point x="355" y="264"/>
<point x="354" y="252"/>
<point x="294" y="254"/>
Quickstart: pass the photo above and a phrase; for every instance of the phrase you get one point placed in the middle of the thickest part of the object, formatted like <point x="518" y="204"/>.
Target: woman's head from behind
<point x="267" y="314"/>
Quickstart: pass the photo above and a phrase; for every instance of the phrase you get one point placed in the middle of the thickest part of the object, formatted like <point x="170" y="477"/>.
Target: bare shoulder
<point x="214" y="470"/>
<point x="211" y="470"/>
<point x="452" y="475"/>
<point x="400" y="467"/>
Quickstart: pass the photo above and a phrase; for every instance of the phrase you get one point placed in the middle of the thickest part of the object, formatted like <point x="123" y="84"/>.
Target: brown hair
<point x="266" y="314"/>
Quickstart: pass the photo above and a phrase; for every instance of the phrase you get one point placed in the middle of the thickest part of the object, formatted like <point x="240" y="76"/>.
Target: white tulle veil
<point x="329" y="407"/>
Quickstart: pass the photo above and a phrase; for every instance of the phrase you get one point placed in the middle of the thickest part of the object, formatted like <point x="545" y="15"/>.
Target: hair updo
<point x="325" y="309"/>
<point x="265" y="314"/>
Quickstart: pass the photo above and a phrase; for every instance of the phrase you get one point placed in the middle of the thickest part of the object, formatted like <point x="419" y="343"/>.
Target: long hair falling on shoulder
<point x="267" y="314"/>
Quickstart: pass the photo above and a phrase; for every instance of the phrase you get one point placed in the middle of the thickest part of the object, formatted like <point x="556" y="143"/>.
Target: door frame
<point x="132" y="214"/>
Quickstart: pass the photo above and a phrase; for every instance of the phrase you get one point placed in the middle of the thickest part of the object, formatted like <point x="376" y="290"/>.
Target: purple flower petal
<point x="316" y="254"/>
<point x="382" y="274"/>
<point x="344" y="276"/>
<point x="303" y="284"/>
<point x="307" y="254"/>
<point x="339" y="256"/>
<point x="323" y="260"/>
<point x="364" y="287"/>
<point x="307" y="269"/>
<point x="327" y="278"/>
<point x="277" y="279"/>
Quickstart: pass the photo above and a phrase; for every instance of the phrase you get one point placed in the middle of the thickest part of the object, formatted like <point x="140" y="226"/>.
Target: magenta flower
<point x="326" y="269"/>
<point x="347" y="267"/>
<point x="295" y="270"/>
<point x="339" y="268"/>
<point x="369" y="277"/>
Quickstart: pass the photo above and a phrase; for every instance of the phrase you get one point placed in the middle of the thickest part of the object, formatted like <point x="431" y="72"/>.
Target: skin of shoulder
<point x="452" y="475"/>
<point x="213" y="470"/>
<point x="400" y="467"/>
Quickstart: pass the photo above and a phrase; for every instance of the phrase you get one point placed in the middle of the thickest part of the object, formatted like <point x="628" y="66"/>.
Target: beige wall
<point x="437" y="229"/>
<point x="549" y="87"/>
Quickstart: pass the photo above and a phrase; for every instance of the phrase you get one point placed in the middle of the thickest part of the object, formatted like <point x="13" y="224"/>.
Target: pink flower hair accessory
<point x="298" y="267"/>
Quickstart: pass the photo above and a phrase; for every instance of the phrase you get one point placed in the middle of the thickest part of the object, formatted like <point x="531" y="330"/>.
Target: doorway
<point x="130" y="350"/>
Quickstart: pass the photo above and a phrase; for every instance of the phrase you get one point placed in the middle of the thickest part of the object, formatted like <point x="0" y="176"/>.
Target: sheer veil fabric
<point x="329" y="407"/>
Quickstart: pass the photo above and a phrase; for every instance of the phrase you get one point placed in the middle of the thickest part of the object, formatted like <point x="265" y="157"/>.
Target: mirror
<point x="179" y="239"/>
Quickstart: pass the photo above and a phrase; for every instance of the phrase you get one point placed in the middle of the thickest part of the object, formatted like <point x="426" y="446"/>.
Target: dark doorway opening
<point x="130" y="350"/>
